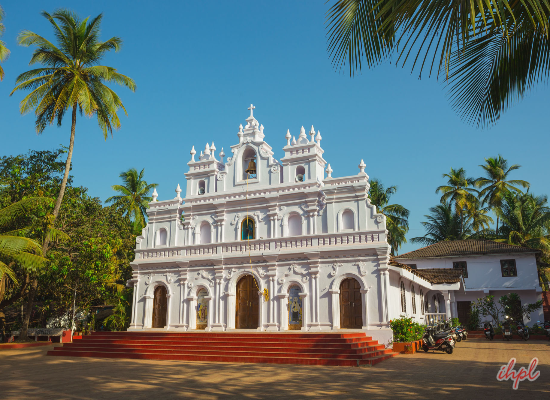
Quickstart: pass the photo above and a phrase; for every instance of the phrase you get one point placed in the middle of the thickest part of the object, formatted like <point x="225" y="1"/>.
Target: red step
<point x="351" y="349"/>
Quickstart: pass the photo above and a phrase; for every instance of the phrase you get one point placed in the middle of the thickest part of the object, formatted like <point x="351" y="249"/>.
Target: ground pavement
<point x="470" y="372"/>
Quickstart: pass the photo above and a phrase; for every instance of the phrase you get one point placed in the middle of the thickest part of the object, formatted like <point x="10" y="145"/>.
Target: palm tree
<point x="71" y="79"/>
<point x="458" y="191"/>
<point x="443" y="224"/>
<point x="525" y="221"/>
<point x="4" y="52"/>
<point x="396" y="215"/>
<point x="495" y="184"/>
<point x="478" y="219"/>
<point x="490" y="52"/>
<point x="134" y="197"/>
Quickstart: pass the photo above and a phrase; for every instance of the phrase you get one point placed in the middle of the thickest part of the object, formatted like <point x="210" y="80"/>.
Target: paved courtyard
<point x="470" y="372"/>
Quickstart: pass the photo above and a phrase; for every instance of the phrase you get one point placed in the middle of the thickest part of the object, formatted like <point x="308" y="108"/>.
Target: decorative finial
<point x="362" y="166"/>
<point x="240" y="128"/>
<point x="178" y="191"/>
<point x="222" y="155"/>
<point x="329" y="171"/>
<point x="201" y="155"/>
<point x="155" y="194"/>
<point x="318" y="137"/>
<point x="193" y="152"/>
<point x="312" y="133"/>
<point x="207" y="149"/>
<point x="262" y="129"/>
<point x="251" y="108"/>
<point x="293" y="140"/>
<point x="288" y="137"/>
<point x="302" y="132"/>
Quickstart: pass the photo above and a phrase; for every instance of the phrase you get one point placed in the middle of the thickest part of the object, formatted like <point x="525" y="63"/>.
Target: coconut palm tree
<point x="458" y="191"/>
<point x="4" y="52"/>
<point x="397" y="216"/>
<point x="443" y="224"/>
<point x="495" y="184"/>
<point x="134" y="197"/>
<point x="525" y="221"/>
<point x="490" y="52"/>
<point x="71" y="79"/>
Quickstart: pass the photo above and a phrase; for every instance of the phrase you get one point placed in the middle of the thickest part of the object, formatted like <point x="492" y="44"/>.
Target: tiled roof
<point x="449" y="248"/>
<point x="432" y="275"/>
<point x="440" y="275"/>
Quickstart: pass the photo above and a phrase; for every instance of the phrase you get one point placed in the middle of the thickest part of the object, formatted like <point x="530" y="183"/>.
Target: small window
<point x="422" y="307"/>
<point x="508" y="268"/>
<point x="294" y="225"/>
<point x="403" y="298"/>
<point x="248" y="229"/>
<point x="162" y="237"/>
<point x="300" y="173"/>
<point x="202" y="187"/>
<point x="347" y="220"/>
<point x="413" y="297"/>
<point x="461" y="265"/>
<point x="206" y="233"/>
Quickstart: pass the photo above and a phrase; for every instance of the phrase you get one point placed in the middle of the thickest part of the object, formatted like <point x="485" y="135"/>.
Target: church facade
<point x="271" y="245"/>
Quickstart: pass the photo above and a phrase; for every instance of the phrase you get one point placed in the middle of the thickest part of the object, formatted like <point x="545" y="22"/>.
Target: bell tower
<point x="303" y="160"/>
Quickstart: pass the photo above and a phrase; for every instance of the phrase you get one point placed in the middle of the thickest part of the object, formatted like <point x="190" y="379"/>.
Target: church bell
<point x="251" y="170"/>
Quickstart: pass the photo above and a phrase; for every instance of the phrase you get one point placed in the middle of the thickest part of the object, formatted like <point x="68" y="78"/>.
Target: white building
<point x="489" y="268"/>
<point x="289" y="247"/>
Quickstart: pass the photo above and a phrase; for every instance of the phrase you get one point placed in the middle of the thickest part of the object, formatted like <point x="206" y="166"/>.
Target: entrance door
<point x="159" y="307"/>
<point x="202" y="309"/>
<point x="463" y="309"/>
<point x="247" y="303"/>
<point x="294" y="309"/>
<point x="351" y="308"/>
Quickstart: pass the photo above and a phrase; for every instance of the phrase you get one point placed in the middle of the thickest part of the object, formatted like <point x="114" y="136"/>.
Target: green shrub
<point x="405" y="330"/>
<point x="473" y="318"/>
<point x="455" y="322"/>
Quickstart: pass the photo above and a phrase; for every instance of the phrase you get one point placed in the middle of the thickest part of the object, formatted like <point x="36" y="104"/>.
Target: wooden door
<point x="351" y="307"/>
<point x="159" y="307"/>
<point x="463" y="309"/>
<point x="294" y="309"/>
<point x="247" y="311"/>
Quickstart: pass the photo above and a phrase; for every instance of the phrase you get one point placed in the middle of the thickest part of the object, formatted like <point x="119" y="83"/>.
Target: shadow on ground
<point x="470" y="372"/>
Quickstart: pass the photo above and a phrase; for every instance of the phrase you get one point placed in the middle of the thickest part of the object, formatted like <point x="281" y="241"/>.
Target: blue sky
<point x="199" y="65"/>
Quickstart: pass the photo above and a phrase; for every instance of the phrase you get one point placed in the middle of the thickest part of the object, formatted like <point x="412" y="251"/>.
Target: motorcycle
<point x="489" y="330"/>
<point x="546" y="327"/>
<point x="437" y="341"/>
<point x="461" y="333"/>
<point x="523" y="331"/>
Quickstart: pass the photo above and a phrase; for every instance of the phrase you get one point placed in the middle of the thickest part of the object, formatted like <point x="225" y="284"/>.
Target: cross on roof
<point x="251" y="108"/>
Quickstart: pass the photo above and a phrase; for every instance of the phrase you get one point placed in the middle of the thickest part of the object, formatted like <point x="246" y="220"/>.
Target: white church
<point x="272" y="245"/>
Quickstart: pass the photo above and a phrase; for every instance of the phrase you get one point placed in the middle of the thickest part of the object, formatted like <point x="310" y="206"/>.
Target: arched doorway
<point x="247" y="310"/>
<point x="160" y="307"/>
<point x="351" y="307"/>
<point x="202" y="309"/>
<point x="294" y="308"/>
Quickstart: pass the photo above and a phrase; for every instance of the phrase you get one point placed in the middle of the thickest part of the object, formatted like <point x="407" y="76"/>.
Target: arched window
<point x="436" y="304"/>
<point x="300" y="173"/>
<point x="206" y="233"/>
<point x="347" y="220"/>
<point x="413" y="300"/>
<point x="202" y="187"/>
<point x="248" y="229"/>
<point x="294" y="225"/>
<point x="422" y="302"/>
<point x="249" y="157"/>
<point x="403" y="298"/>
<point x="162" y="237"/>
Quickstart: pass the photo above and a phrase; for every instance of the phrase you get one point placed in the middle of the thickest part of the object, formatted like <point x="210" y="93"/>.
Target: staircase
<point x="345" y="349"/>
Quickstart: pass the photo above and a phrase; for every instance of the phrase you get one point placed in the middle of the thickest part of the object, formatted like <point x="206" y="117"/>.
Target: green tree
<point x="396" y="215"/>
<point x="491" y="53"/>
<point x="4" y="52"/>
<point x="458" y="191"/>
<point x="443" y="224"/>
<point x="495" y="183"/>
<point x="70" y="80"/>
<point x="134" y="197"/>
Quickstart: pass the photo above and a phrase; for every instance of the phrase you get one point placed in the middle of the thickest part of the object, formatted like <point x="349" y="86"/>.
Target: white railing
<point x="262" y="245"/>
<point x="435" y="318"/>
